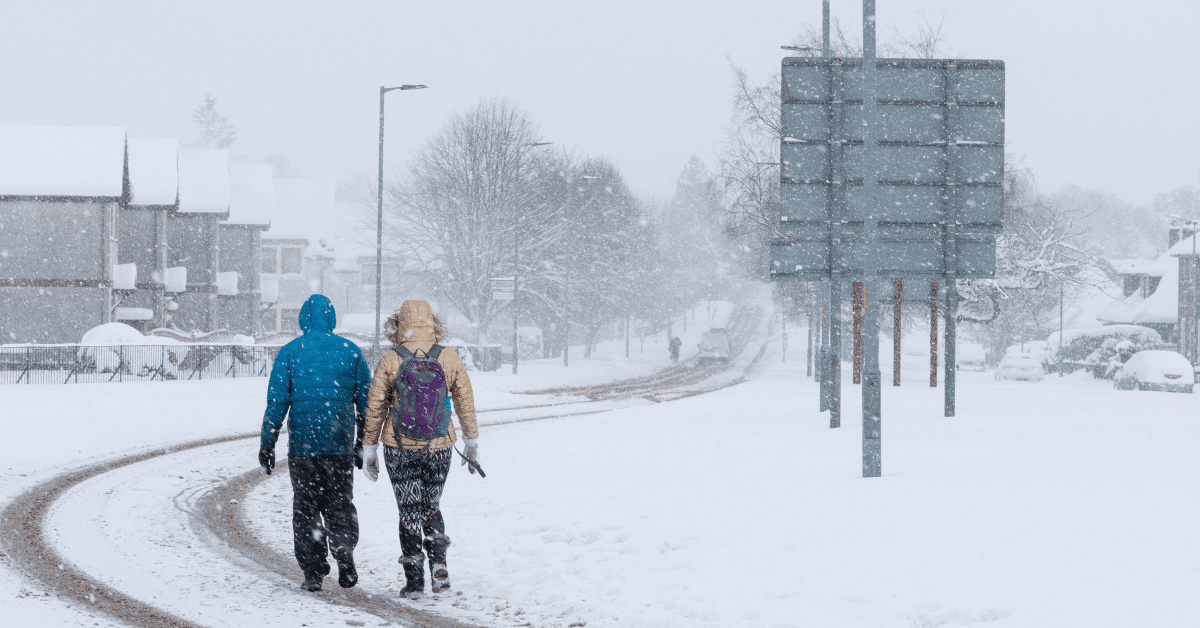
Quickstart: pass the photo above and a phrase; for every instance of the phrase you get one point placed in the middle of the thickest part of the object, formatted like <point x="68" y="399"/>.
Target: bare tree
<point x="451" y="218"/>
<point x="926" y="42"/>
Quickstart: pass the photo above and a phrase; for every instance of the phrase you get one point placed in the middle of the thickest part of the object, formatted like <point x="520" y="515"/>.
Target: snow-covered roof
<point x="153" y="171"/>
<point x="1160" y="307"/>
<point x="204" y="181"/>
<point x="252" y="194"/>
<point x="306" y="209"/>
<point x="1150" y="267"/>
<point x="62" y="161"/>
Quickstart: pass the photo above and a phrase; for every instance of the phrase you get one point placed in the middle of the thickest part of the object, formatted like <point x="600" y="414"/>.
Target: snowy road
<point x="1058" y="503"/>
<point x="159" y="566"/>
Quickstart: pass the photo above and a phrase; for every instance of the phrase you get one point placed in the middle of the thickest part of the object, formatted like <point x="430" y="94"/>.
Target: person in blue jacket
<point x="320" y="382"/>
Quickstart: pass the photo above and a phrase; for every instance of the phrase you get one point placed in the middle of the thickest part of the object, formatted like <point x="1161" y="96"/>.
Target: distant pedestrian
<point x="320" y="381"/>
<point x="409" y="410"/>
<point x="674" y="346"/>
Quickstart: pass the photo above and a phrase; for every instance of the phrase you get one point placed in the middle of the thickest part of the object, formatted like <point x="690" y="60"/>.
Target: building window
<point x="289" y="319"/>
<point x="269" y="266"/>
<point x="293" y="261"/>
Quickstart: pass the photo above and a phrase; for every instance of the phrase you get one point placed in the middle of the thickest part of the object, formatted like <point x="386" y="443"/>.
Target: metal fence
<point x="76" y="364"/>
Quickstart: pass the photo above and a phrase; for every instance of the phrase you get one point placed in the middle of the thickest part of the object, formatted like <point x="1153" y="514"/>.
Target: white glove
<point x="371" y="462"/>
<point x="471" y="452"/>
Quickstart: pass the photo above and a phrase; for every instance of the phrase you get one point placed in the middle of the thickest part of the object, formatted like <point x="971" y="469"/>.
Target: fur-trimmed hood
<point x="415" y="322"/>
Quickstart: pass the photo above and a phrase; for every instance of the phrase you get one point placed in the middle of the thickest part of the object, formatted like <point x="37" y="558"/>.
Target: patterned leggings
<point x="418" y="477"/>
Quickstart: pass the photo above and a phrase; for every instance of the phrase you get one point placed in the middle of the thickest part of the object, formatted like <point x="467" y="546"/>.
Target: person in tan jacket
<point x="418" y="468"/>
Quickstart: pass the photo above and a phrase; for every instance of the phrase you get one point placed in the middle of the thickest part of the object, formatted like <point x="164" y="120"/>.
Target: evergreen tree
<point x="215" y="129"/>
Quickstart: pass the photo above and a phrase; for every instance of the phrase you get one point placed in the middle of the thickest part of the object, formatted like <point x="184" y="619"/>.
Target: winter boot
<point x="441" y="577"/>
<point x="312" y="582"/>
<point x="436" y="544"/>
<point x="347" y="575"/>
<point x="414" y="574"/>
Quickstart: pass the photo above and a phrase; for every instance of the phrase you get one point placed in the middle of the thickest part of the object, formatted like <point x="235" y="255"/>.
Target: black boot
<point x="312" y="582"/>
<point x="414" y="574"/>
<point x="347" y="574"/>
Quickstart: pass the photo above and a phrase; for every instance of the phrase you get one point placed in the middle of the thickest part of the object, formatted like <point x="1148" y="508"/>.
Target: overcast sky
<point x="1100" y="93"/>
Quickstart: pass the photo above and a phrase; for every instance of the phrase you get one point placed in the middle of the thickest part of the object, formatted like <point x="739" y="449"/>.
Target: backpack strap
<point x="403" y="352"/>
<point x="434" y="351"/>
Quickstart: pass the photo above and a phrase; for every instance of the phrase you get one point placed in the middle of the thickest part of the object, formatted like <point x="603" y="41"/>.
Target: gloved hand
<point x="471" y="451"/>
<point x="266" y="460"/>
<point x="370" y="462"/>
<point x="358" y="452"/>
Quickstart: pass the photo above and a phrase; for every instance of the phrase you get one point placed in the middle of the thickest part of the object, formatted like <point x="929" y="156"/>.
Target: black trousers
<point x="418" y="477"/>
<point x="323" y="515"/>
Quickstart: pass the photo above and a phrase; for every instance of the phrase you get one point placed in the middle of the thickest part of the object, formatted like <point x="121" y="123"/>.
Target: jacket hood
<point x="415" y="322"/>
<point x="317" y="314"/>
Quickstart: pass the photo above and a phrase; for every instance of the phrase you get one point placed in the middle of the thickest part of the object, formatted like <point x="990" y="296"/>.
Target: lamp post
<point x="567" y="282"/>
<point x="379" y="222"/>
<point x="517" y="243"/>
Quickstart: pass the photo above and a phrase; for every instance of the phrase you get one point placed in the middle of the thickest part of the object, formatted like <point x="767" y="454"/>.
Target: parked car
<point x="1021" y="367"/>
<point x="1156" y="370"/>
<point x="714" y="346"/>
<point x="970" y="357"/>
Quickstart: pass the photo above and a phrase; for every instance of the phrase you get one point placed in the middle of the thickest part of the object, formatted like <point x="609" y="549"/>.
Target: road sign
<point x="503" y="288"/>
<point x="939" y="170"/>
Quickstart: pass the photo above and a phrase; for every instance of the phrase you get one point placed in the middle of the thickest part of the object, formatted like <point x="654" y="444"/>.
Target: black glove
<point x="358" y="455"/>
<point x="266" y="460"/>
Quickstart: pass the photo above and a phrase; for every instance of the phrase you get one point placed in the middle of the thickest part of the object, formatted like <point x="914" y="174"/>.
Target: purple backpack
<point x="421" y="410"/>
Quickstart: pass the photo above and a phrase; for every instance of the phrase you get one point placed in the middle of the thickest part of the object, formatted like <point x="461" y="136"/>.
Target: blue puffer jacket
<point x="322" y="380"/>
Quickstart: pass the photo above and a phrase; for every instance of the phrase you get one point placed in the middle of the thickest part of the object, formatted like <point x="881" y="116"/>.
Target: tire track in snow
<point x="221" y="524"/>
<point x="27" y="550"/>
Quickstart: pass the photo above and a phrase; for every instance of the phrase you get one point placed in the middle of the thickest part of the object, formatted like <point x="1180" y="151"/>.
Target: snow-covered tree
<point x="451" y="219"/>
<point x="215" y="129"/>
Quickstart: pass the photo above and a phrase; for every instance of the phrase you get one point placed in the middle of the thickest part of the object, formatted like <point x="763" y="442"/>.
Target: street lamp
<point x="567" y="283"/>
<point x="379" y="222"/>
<point x="517" y="243"/>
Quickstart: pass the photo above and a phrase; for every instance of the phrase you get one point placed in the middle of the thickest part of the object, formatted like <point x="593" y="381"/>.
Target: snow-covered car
<point x="1156" y="370"/>
<point x="970" y="357"/>
<point x="714" y="346"/>
<point x="1021" y="367"/>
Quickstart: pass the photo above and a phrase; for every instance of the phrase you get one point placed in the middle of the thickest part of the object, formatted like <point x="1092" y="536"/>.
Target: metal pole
<point x="856" y="297"/>
<point x="379" y="236"/>
<point x="516" y="254"/>
<point x="872" y="409"/>
<point x="951" y="362"/>
<point x="783" y="339"/>
<point x="933" y="333"/>
<point x="823" y="364"/>
<point x="809" y="355"/>
<point x="835" y="358"/>
<point x="1060" y="329"/>
<point x="896" y="333"/>
<point x="627" y="317"/>
<point x="825" y="29"/>
<point x="567" y="281"/>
